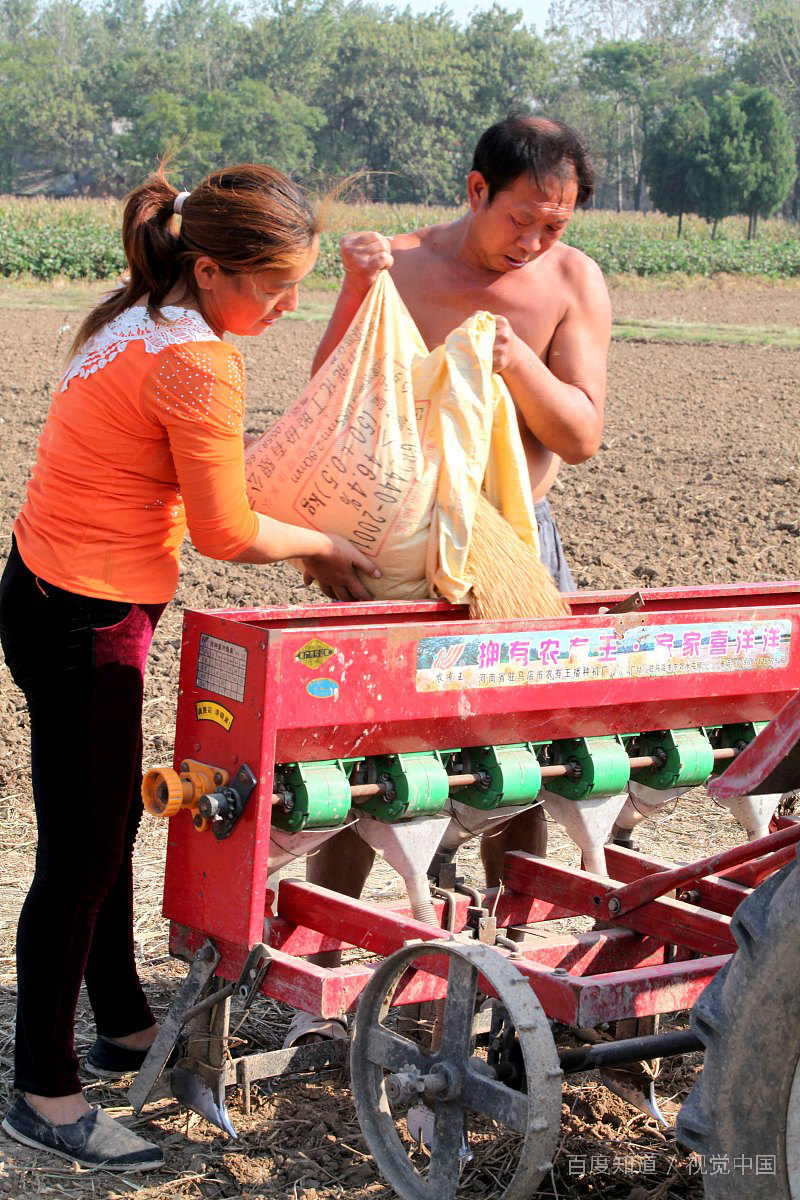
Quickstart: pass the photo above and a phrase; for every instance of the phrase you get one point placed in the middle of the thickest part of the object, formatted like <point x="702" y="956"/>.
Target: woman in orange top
<point x="144" y="440"/>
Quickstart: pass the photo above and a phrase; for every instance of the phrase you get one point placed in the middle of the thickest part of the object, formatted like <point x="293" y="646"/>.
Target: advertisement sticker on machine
<point x="591" y="654"/>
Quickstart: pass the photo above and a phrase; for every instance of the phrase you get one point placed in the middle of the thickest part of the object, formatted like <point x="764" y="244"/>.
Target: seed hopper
<point x="422" y="729"/>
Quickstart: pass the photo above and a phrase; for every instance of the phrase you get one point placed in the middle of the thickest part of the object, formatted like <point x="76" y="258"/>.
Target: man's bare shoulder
<point x="406" y="241"/>
<point x="578" y="270"/>
<point x="424" y="241"/>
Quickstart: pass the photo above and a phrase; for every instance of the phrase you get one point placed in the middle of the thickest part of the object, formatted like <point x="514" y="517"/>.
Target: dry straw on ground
<point x="509" y="580"/>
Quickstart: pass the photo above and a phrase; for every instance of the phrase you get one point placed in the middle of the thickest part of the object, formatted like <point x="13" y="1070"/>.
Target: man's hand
<point x="364" y="256"/>
<point x="335" y="570"/>
<point x="506" y="346"/>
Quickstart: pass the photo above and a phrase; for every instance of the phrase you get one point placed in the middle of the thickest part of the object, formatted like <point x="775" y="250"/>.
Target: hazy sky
<point x="534" y="12"/>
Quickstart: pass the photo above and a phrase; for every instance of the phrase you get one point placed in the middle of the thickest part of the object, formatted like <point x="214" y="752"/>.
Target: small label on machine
<point x="314" y="653"/>
<point x="322" y="689"/>
<point x="581" y="655"/>
<point x="221" y="667"/>
<point x="209" y="710"/>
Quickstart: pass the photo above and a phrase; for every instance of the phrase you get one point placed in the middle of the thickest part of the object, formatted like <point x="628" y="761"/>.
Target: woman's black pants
<point x="80" y="664"/>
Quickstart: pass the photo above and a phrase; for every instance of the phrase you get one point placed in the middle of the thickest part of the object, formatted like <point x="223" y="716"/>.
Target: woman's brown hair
<point x="247" y="217"/>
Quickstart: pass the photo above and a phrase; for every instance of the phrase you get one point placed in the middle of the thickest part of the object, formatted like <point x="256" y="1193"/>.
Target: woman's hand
<point x="334" y="569"/>
<point x="364" y="256"/>
<point x="506" y="346"/>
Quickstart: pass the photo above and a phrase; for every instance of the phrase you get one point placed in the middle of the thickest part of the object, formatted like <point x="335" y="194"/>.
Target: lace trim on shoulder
<point x="136" y="325"/>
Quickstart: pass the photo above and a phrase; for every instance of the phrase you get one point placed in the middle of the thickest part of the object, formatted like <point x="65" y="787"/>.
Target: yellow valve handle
<point x="163" y="792"/>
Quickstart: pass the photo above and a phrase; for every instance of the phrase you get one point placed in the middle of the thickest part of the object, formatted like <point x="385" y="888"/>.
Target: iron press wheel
<point x="391" y="1073"/>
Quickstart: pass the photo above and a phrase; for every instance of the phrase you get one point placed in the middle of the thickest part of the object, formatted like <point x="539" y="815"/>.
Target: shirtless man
<point x="551" y="345"/>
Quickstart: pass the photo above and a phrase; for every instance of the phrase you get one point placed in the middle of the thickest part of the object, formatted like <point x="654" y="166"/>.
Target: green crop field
<point x="79" y="239"/>
<point x="646" y="245"/>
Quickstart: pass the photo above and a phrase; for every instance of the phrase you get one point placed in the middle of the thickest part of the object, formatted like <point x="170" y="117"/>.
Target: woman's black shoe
<point x="109" y="1060"/>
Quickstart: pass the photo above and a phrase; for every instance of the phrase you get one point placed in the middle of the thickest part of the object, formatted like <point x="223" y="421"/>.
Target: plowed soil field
<point x="697" y="481"/>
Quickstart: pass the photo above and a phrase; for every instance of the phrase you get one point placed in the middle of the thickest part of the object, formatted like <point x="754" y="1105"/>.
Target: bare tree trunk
<point x="636" y="164"/>
<point x="619" y="160"/>
<point x="638" y="188"/>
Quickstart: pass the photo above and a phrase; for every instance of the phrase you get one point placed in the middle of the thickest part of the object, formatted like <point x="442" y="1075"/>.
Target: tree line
<point x="691" y="105"/>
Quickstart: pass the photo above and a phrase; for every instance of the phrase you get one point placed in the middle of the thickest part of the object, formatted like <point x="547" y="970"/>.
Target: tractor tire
<point x="743" y="1114"/>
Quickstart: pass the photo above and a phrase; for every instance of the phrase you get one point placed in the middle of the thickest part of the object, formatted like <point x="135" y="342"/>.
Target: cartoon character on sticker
<point x="323" y="689"/>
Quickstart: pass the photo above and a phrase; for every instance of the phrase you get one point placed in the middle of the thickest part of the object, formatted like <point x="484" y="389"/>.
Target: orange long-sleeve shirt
<point x="143" y="438"/>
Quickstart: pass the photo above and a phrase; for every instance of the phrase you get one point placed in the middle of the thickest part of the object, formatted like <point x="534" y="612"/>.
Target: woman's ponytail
<point x="150" y="238"/>
<point x="152" y="249"/>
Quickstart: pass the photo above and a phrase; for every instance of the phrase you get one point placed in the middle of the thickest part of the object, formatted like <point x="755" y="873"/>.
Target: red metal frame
<point x="219" y="889"/>
<point x="752" y="873"/>
<point x="637" y="893"/>
<point x="714" y="892"/>
<point x="582" y="979"/>
<point x="762" y="755"/>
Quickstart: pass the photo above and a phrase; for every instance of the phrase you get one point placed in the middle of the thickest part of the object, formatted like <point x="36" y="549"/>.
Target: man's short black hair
<point x="536" y="146"/>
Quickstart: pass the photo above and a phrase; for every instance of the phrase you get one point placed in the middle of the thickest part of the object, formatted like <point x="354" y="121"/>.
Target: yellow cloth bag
<point x="389" y="445"/>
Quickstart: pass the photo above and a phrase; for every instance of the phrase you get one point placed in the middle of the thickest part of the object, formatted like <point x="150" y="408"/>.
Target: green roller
<point x="416" y="785"/>
<point x="685" y="758"/>
<point x="735" y="736"/>
<point x="600" y="767"/>
<point x="318" y="795"/>
<point x="512" y="776"/>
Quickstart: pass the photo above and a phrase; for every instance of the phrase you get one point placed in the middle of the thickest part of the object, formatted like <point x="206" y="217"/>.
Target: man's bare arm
<point x="364" y="256"/>
<point x="562" y="402"/>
